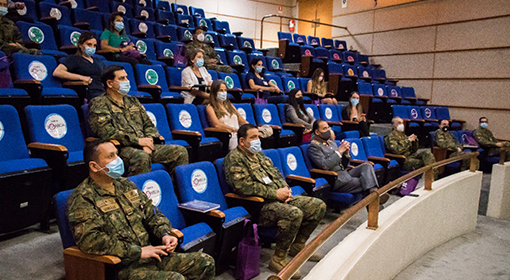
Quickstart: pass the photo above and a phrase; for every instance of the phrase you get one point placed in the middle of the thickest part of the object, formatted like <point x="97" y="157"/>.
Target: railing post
<point x="274" y="277"/>
<point x="373" y="214"/>
<point x="502" y="157"/>
<point x="472" y="162"/>
<point x="429" y="178"/>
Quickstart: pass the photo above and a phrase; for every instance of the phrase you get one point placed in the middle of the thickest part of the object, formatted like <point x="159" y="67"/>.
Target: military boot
<point x="298" y="245"/>
<point x="279" y="261"/>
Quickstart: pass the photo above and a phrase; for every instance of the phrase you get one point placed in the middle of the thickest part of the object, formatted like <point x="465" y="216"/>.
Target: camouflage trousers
<point x="418" y="160"/>
<point x="295" y="219"/>
<point x="137" y="161"/>
<point x="175" y="266"/>
<point x="497" y="151"/>
<point x="220" y="68"/>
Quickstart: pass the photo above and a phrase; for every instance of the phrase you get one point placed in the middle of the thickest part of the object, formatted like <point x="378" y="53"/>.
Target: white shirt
<point x="188" y="79"/>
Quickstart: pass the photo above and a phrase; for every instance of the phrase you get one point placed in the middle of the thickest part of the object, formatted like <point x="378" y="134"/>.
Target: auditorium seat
<point x="358" y="156"/>
<point x="374" y="149"/>
<point x="340" y="45"/>
<point x="234" y="87"/>
<point x="329" y="113"/>
<point x="54" y="14"/>
<point x="152" y="79"/>
<point x="287" y="134"/>
<point x="39" y="35"/>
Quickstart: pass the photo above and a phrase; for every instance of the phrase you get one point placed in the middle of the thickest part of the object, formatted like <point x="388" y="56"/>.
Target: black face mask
<point x="299" y="100"/>
<point x="325" y="135"/>
<point x="445" y="128"/>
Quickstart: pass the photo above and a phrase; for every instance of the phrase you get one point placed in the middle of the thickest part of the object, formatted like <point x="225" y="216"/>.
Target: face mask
<point x="3" y="11"/>
<point x="444" y="128"/>
<point x="484" y="125"/>
<point x="326" y="135"/>
<point x="115" y="168"/>
<point x="200" y="62"/>
<point x="200" y="37"/>
<point x="260" y="69"/>
<point x="119" y="26"/>
<point x="124" y="87"/>
<point x="321" y="78"/>
<point x="354" y="101"/>
<point x="299" y="100"/>
<point x="90" y="51"/>
<point x="222" y="95"/>
<point x="400" y="127"/>
<point x="254" y="146"/>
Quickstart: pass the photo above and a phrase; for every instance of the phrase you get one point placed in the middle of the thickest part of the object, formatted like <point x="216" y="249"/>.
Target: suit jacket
<point x="326" y="157"/>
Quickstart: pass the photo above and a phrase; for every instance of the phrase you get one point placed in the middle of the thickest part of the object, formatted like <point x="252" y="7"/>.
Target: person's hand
<point x="86" y="79"/>
<point x="344" y="147"/>
<point x="146" y="142"/>
<point x="307" y="130"/>
<point x="15" y="44"/>
<point x="363" y="117"/>
<point x="154" y="252"/>
<point x="283" y="194"/>
<point x="499" y="144"/>
<point x="147" y="150"/>
<point x="170" y="242"/>
<point x="412" y="137"/>
<point x="459" y="149"/>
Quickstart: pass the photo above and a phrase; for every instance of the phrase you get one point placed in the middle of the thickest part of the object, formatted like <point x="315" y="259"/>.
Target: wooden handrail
<point x="502" y="156"/>
<point x="372" y="201"/>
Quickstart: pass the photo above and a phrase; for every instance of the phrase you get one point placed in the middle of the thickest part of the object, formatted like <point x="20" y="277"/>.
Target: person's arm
<point x="395" y="147"/>
<point x="309" y="86"/>
<point x="484" y="141"/>
<point x="62" y="72"/>
<point x="442" y="142"/>
<point x="254" y="86"/>
<point x="187" y="77"/>
<point x="108" y="48"/>
<point x="102" y="125"/>
<point x="214" y="121"/>
<point x="291" y="115"/>
<point x="321" y="160"/>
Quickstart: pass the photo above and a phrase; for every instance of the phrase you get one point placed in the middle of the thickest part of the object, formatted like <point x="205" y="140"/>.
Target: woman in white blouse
<point x="196" y="74"/>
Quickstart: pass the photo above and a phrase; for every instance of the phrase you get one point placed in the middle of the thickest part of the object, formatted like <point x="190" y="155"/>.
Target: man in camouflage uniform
<point x="251" y="173"/>
<point x="10" y="37"/>
<point x="444" y="139"/>
<point x="488" y="142"/>
<point x="397" y="142"/>
<point x="211" y="58"/>
<point x="110" y="216"/>
<point x="115" y="115"/>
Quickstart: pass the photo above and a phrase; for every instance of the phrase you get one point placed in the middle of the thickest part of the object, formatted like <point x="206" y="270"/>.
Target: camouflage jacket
<point x="9" y="33"/>
<point x="209" y="51"/>
<point x="397" y="143"/>
<point x="114" y="224"/>
<point x="126" y="123"/>
<point x="446" y="140"/>
<point x="253" y="175"/>
<point x="485" y="138"/>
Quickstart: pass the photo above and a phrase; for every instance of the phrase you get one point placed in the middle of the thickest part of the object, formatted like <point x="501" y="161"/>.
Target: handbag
<point x="248" y="253"/>
<point x="408" y="186"/>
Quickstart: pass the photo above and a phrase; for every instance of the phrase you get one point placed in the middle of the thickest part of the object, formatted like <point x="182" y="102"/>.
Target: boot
<point x="279" y="261"/>
<point x="298" y="245"/>
<point x="384" y="198"/>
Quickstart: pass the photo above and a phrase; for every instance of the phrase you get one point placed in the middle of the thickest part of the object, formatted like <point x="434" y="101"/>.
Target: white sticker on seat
<point x="354" y="149"/>
<point x="185" y="118"/>
<point x="143" y="27"/>
<point x="266" y="115"/>
<point x="153" y="191"/>
<point x="2" y="131"/>
<point x="37" y="70"/>
<point x="152" y="118"/>
<point x="310" y="111"/>
<point x="54" y="12"/>
<point x="199" y="181"/>
<point x="55" y="125"/>
<point x="380" y="91"/>
<point x="328" y="113"/>
<point x="291" y="162"/>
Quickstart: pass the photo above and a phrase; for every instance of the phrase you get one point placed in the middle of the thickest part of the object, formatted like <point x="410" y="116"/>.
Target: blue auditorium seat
<point x="152" y="78"/>
<point x="267" y="114"/>
<point x="358" y="156"/>
<point x="42" y="34"/>
<point x="329" y="113"/>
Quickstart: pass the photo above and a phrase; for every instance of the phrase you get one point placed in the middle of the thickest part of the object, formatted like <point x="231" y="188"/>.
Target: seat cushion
<point x="235" y="213"/>
<point x="413" y="124"/>
<point x="169" y="94"/>
<point x="345" y="198"/>
<point x="157" y="166"/>
<point x="54" y="53"/>
<point x="75" y="156"/>
<point x="393" y="163"/>
<point x="248" y="96"/>
<point x="377" y="166"/>
<point x="286" y="132"/>
<point x="194" y="232"/>
<point x="21" y="164"/>
<point x="320" y="182"/>
<point x="58" y="91"/>
<point x="209" y="140"/>
<point x="297" y="190"/>
<point x="177" y="142"/>
<point x="136" y="93"/>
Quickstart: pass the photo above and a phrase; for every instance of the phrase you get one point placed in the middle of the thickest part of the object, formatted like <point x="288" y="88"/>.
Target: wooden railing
<point x="372" y="201"/>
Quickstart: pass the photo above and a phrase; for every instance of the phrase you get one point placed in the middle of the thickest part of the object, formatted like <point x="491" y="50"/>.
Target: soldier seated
<point x="397" y="142"/>
<point x="118" y="116"/>
<point x="444" y="139"/>
<point x="486" y="140"/>
<point x="110" y="216"/>
<point x="250" y="172"/>
<point x="211" y="58"/>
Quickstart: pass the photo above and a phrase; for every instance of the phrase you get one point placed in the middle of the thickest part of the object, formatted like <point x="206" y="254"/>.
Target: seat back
<point x="363" y="59"/>
<point x="198" y="12"/>
<point x="349" y="70"/>
<point x="335" y="55"/>
<point x="308" y="162"/>
<point x="379" y="74"/>
<point x="181" y="9"/>
<point x="231" y="79"/>
<point x="299" y="39"/>
<point x="39" y="33"/>
<point x="365" y="88"/>
<point x="102" y="6"/>
<point x="379" y="90"/>
<point x="293" y="162"/>
<point x="55" y="124"/>
<point x="373" y="146"/>
<point x="246" y="111"/>
<point x="30" y="9"/>
<point x="414" y="113"/>
<point x="145" y="46"/>
<point x="313" y="110"/>
<point x="158" y="187"/>
<point x="245" y="43"/>
<point x="428" y="113"/>
<point x="400" y="111"/>
<point x="225" y="187"/>
<point x="275" y="158"/>
<point x="174" y="76"/>
<point x="349" y="57"/>
<point x="184" y="117"/>
<point x="357" y="150"/>
<point x="303" y="82"/>
<point x="221" y="27"/>
<point x="290" y="83"/>
<point x="214" y="74"/>
<point x="163" y="16"/>
<point x="204" y="22"/>
<point x="329" y="113"/>
<point x="146" y="12"/>
<point x="164" y="5"/>
<point x="222" y="55"/>
<point x="124" y="8"/>
<point x="199" y="181"/>
<point x="364" y="72"/>
<point x="393" y="91"/>
<point x="237" y="57"/>
<point x="151" y="75"/>
<point x="327" y="42"/>
<point x="266" y="114"/>
<point x="66" y="235"/>
<point x="94" y="19"/>
<point x="59" y="12"/>
<point x="35" y="67"/>
<point x="157" y="114"/>
<point x="139" y="26"/>
<point x="408" y="92"/>
<point x="314" y="41"/>
<point x="275" y="79"/>
<point x="211" y="37"/>
<point x="442" y="113"/>
<point x="340" y="45"/>
<point x="202" y="114"/>
<point x="281" y="112"/>
<point x="184" y="20"/>
<point x="69" y="36"/>
<point x="12" y="143"/>
<point x="335" y="68"/>
<point x="228" y="41"/>
<point x="170" y="30"/>
<point x="285" y="36"/>
<point x="274" y="63"/>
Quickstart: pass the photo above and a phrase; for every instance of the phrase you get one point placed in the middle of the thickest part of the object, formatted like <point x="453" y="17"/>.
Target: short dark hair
<point x="315" y="125"/>
<point x="254" y="62"/>
<point x="111" y="24"/>
<point x="85" y="36"/>
<point x="441" y="120"/>
<point x="480" y="119"/>
<point x="192" y="54"/>
<point x="109" y="73"/>
<point x="200" y="28"/>
<point x="243" y="130"/>
<point x="90" y="152"/>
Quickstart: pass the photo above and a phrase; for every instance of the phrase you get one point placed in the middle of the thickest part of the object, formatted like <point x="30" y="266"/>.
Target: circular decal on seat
<point x="208" y="38"/>
<point x="151" y="77"/>
<point x="152" y="118"/>
<point x="74" y="4"/>
<point x="144" y="13"/>
<point x="350" y="58"/>
<point x="266" y="115"/>
<point x="247" y="44"/>
<point x="336" y="56"/>
<point x="202" y="22"/>
<point x="310" y="111"/>
<point x="185" y="118"/>
<point x="2" y="131"/>
<point x="380" y="91"/>
<point x="393" y="92"/>
<point x="55" y="13"/>
<point x="340" y="46"/>
<point x="23" y="11"/>
<point x="291" y="162"/>
<point x="365" y="74"/>
<point x="275" y="64"/>
<point x="308" y="52"/>
<point x="354" y="149"/>
<point x="37" y="70"/>
<point x="142" y="3"/>
<point x="141" y="46"/>
<point x="75" y="36"/>
<point x="35" y="34"/>
<point x="153" y="191"/>
<point x="229" y="81"/>
<point x="237" y="60"/>
<point x="428" y="113"/>
<point x="314" y="41"/>
<point x="143" y="27"/>
<point x="300" y="39"/>
<point x="55" y="125"/>
<point x="168" y="53"/>
<point x="273" y="82"/>
<point x="291" y="85"/>
<point x="328" y="113"/>
<point x="350" y="72"/>
<point x="121" y="9"/>
<point x="242" y="112"/>
<point x="414" y="113"/>
<point x="199" y="181"/>
<point x="180" y="10"/>
<point x="188" y="35"/>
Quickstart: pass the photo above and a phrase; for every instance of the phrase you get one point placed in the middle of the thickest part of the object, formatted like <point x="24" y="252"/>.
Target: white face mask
<point x="400" y="127"/>
<point x="200" y="37"/>
<point x="321" y="78"/>
<point x="222" y="95"/>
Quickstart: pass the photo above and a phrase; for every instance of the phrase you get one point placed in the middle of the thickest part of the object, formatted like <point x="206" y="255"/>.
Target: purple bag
<point x="467" y="138"/>
<point x="5" y="75"/>
<point x="408" y="186"/>
<point x="248" y="253"/>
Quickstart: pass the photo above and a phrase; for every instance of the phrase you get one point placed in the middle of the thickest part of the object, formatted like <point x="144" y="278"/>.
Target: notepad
<point x="199" y="206"/>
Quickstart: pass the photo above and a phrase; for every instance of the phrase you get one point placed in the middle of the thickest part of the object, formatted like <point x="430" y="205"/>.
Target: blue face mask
<point x="200" y="62"/>
<point x="119" y="26"/>
<point x="354" y="101"/>
<point x="484" y="125"/>
<point x="124" y="88"/>
<point x="3" y="11"/>
<point x="260" y="69"/>
<point x="255" y="146"/>
<point x="90" y="51"/>
<point x="115" y="168"/>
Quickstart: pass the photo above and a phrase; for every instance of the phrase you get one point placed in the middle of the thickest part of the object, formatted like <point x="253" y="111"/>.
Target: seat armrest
<point x="335" y="123"/>
<point x="300" y="178"/>
<point x="106" y="259"/>
<point x="214" y="218"/>
<point x="186" y="132"/>
<point x="159" y="140"/>
<point x="357" y="161"/>
<point x="252" y="204"/>
<point x="395" y="156"/>
<point x="274" y="126"/>
<point x="46" y="146"/>
<point x="216" y="214"/>
<point x="458" y="120"/>
<point x="216" y="129"/>
<point x="82" y="25"/>
<point x="177" y="234"/>
<point x="293" y="125"/>
<point x="26" y="82"/>
<point x="247" y="198"/>
<point x="350" y="122"/>
<point x="74" y="83"/>
<point x="177" y="88"/>
<point x="324" y="172"/>
<point x="379" y="159"/>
